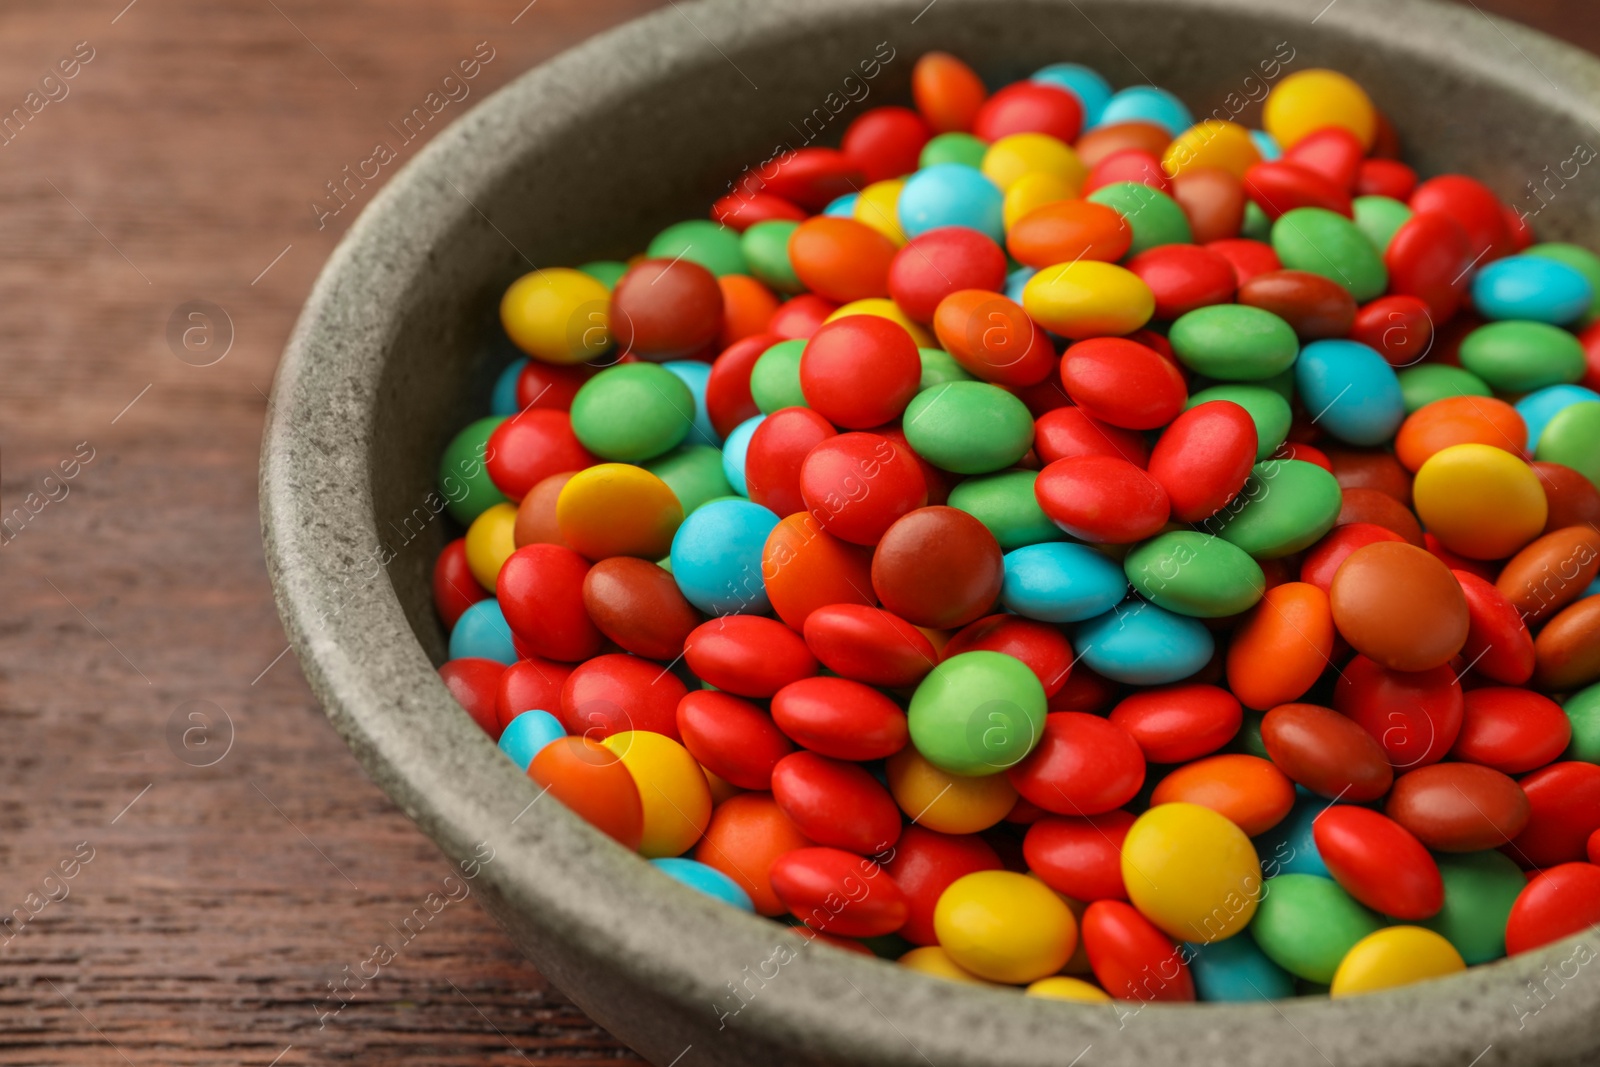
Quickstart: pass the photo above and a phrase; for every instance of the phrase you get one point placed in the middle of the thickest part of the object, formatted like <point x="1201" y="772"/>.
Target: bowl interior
<point x="587" y="158"/>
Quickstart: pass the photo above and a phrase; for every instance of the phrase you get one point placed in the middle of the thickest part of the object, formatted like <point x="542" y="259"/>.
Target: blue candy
<point x="733" y="453"/>
<point x="1288" y="848"/>
<point x="843" y="207"/>
<point x="1061" y="582"/>
<point x="503" y="401"/>
<point x="708" y="880"/>
<point x="1016" y="281"/>
<point x="716" y="557"/>
<point x="695" y="375"/>
<point x="1092" y="91"/>
<point x="1139" y="643"/>
<point x="952" y="194"/>
<point x="1146" y="103"/>
<point x="1350" y="391"/>
<point x="1237" y="971"/>
<point x="526" y="734"/>
<point x="483" y="633"/>
<point x="1267" y="145"/>
<point x="1531" y="287"/>
<point x="1542" y="405"/>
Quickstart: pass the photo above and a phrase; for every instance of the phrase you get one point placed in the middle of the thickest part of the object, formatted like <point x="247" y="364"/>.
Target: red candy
<point x="728" y="399"/>
<point x="637" y="604"/>
<point x="1041" y="647"/>
<point x="529" y="447"/>
<point x="1178" y="723"/>
<point x="923" y="866"/>
<point x="1131" y="958"/>
<point x="1563" y="810"/>
<point x="1069" y="431"/>
<point x="1280" y="186"/>
<point x="1499" y="645"/>
<point x="454" y="588"/>
<point x="1184" y="277"/>
<point x="857" y="484"/>
<point x="1414" y="715"/>
<point x="1102" y="499"/>
<point x="1029" y="107"/>
<point x="530" y="684"/>
<point x="1398" y="328"/>
<point x="1204" y="458"/>
<point x="935" y="264"/>
<point x="860" y="371"/>
<point x="837" y="892"/>
<point x="541" y="385"/>
<point x="840" y="718"/>
<point x="869" y="645"/>
<point x="1471" y="204"/>
<point x="666" y="309"/>
<point x="776" y="454"/>
<point x="610" y="694"/>
<point x="1333" y="152"/>
<point x="1123" y="383"/>
<point x="732" y="738"/>
<point x="473" y="682"/>
<point x="836" y="803"/>
<point x="1322" y="560"/>
<point x="1511" y="730"/>
<point x="1082" y="765"/>
<point x="885" y="142"/>
<point x="1080" y="857"/>
<point x="1379" y="862"/>
<point x="1556" y="903"/>
<point x="748" y="655"/>
<point x="810" y="177"/>
<point x="540" y="589"/>
<point x="1428" y="258"/>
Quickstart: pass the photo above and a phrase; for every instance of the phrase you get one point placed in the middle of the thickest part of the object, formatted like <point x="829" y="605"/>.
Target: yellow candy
<point x="617" y="509"/>
<point x="879" y="207"/>
<point x="1035" y="190"/>
<point x="490" y="543"/>
<point x="557" y="315"/>
<point x="1310" y="100"/>
<point x="1479" y="501"/>
<point x="1192" y="872"/>
<point x="1009" y="158"/>
<point x="1394" y="956"/>
<point x="1005" y="926"/>
<point x="672" y="790"/>
<point x="931" y="959"/>
<point x="885" y="308"/>
<point x="1212" y="143"/>
<point x="1088" y="299"/>
<point x="944" y="802"/>
<point x="1061" y="987"/>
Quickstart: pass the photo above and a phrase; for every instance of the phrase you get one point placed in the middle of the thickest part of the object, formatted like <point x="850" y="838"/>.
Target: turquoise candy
<point x="734" y="450"/>
<point x="1289" y="848"/>
<point x="708" y="880"/>
<point x="1542" y="405"/>
<point x="526" y="734"/>
<point x="483" y="633"/>
<point x="1061" y="582"/>
<point x="1141" y="644"/>
<point x="1533" y="288"/>
<point x="1237" y="971"/>
<point x="1350" y="391"/>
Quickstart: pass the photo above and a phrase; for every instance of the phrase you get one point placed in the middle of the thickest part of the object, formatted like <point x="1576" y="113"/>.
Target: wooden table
<point x="227" y="858"/>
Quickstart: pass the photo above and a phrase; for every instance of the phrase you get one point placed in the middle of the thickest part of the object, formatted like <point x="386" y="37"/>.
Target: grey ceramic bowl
<point x="588" y="156"/>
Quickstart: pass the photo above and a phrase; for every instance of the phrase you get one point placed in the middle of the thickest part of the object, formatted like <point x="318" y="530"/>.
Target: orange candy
<point x="591" y="780"/>
<point x="947" y="92"/>
<point x="536" y="515"/>
<point x="841" y="259"/>
<point x="1104" y="141"/>
<point x="747" y="306"/>
<point x="1459" y="420"/>
<point x="993" y="338"/>
<point x="1069" y="230"/>
<point x="1247" y="790"/>
<point x="1282" y="646"/>
<point x="805" y="568"/>
<point x="747" y="832"/>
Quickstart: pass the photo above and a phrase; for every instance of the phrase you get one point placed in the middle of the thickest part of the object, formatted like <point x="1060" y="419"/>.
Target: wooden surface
<point x="220" y="901"/>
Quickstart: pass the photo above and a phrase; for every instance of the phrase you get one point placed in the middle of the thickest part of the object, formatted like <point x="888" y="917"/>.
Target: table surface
<point x="163" y="912"/>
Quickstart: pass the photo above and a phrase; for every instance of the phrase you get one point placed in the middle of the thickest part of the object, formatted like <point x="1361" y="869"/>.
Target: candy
<point x="1480" y="501"/>
<point x="1399" y="955"/>
<point x="1458" y="807"/>
<point x="1005" y="926"/>
<point x="1195" y="574"/>
<point x="1326" y="752"/>
<point x="1399" y="606"/>
<point x="1307" y="925"/>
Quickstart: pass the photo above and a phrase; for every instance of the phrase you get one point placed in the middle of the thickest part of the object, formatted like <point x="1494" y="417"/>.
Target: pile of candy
<point x="1097" y="551"/>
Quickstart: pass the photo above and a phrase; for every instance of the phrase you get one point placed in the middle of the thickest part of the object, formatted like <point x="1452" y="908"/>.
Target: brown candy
<point x="938" y="567"/>
<point x="1316" y="307"/>
<point x="1573" y="499"/>
<point x="1214" y="201"/>
<point x="1399" y="606"/>
<point x="1380" y="509"/>
<point x="1326" y="752"/>
<point x="1568" y="648"/>
<point x="536" y="515"/>
<point x="1099" y="143"/>
<point x="1459" y="807"/>
<point x="1361" y="468"/>
<point x="1552" y="572"/>
<point x="637" y="604"/>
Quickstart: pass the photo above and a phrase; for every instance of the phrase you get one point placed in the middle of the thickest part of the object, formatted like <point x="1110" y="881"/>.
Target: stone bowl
<point x="586" y="157"/>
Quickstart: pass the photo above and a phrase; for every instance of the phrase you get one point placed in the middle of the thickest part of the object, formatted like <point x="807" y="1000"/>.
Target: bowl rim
<point x="596" y="901"/>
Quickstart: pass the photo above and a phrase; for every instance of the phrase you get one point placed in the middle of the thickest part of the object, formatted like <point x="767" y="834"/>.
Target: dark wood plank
<point x="220" y="901"/>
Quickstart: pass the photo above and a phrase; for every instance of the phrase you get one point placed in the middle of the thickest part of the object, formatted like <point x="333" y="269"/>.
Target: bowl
<point x="589" y="155"/>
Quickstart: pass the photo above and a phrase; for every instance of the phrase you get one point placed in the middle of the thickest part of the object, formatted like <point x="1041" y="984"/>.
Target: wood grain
<point x="220" y="901"/>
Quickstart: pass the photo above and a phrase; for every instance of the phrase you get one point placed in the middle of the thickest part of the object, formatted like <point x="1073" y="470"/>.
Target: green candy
<point x="1572" y="438"/>
<point x="1268" y="409"/>
<point x="977" y="713"/>
<point x="1519" y="357"/>
<point x="1256" y="225"/>
<point x="1583" y="711"/>
<point x="1286" y="505"/>
<point x="938" y="367"/>
<point x="1305" y="924"/>
<point x="1579" y="259"/>
<point x="1153" y="216"/>
<point x="463" y="479"/>
<point x="1248" y="739"/>
<point x="632" y="412"/>
<point x="693" y="473"/>
<point x="765" y="247"/>
<point x="1426" y="382"/>
<point x="1005" y="504"/>
<point x="608" y="272"/>
<point x="775" y="379"/>
<point x="1379" y="217"/>
<point x="1326" y="243"/>
<point x="1479" y="889"/>
<point x="953" y="148"/>
<point x="966" y="427"/>
<point x="1234" y="342"/>
<point x="1195" y="574"/>
<point x="710" y="244"/>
